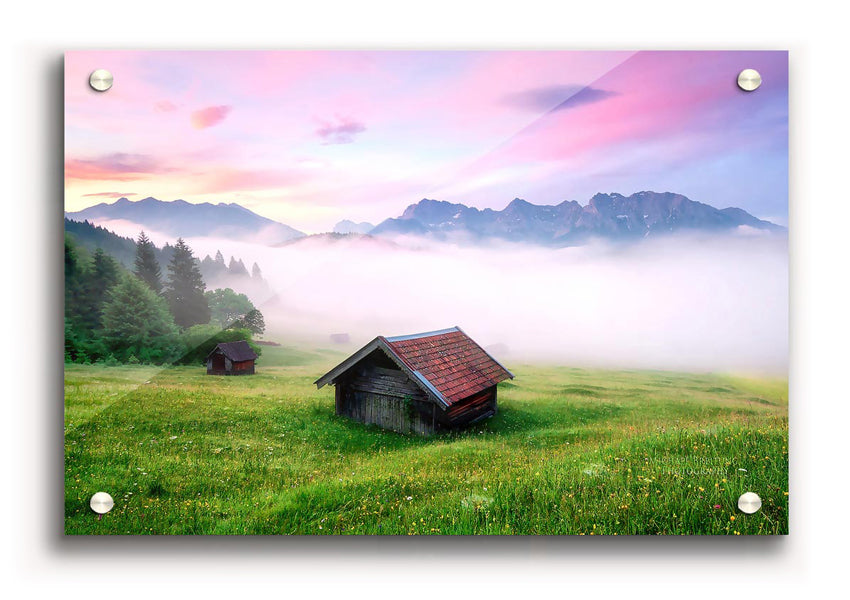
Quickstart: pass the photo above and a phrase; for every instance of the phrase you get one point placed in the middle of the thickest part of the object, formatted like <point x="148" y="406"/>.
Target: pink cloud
<point x="342" y="132"/>
<point x="224" y="179"/>
<point x="110" y="195"/>
<point x="113" y="167"/>
<point x="209" y="116"/>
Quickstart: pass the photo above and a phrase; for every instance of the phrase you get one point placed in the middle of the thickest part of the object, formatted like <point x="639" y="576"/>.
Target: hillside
<point x="215" y="271"/>
<point x="122" y="249"/>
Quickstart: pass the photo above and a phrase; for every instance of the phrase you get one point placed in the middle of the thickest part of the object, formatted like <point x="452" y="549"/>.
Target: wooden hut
<point x="340" y="338"/>
<point x="418" y="383"/>
<point x="231" y="358"/>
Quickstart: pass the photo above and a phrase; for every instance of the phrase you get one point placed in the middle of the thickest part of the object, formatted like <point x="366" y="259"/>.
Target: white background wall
<point x="37" y="559"/>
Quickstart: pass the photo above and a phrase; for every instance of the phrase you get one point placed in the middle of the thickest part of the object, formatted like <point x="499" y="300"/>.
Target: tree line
<point x="214" y="270"/>
<point x="114" y="315"/>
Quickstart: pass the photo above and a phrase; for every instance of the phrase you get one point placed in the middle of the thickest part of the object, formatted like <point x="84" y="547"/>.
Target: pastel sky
<point x="311" y="137"/>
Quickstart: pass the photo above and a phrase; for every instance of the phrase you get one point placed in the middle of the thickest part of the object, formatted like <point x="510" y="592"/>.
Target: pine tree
<point x="207" y="268"/>
<point x="137" y="325"/>
<point x="75" y="332"/>
<point x="213" y="269"/>
<point x="237" y="267"/>
<point x="185" y="291"/>
<point x="104" y="273"/>
<point x="147" y="267"/>
<point x="256" y="273"/>
<point x="74" y="280"/>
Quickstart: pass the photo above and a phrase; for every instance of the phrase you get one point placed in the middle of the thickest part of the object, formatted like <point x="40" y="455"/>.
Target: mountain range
<point x="608" y="216"/>
<point x="184" y="219"/>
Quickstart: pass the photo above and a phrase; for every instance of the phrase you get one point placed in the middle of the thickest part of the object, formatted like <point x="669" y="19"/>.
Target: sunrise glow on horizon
<point x="309" y="138"/>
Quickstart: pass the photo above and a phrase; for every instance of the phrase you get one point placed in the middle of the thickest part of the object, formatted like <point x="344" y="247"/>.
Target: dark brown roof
<point x="236" y="351"/>
<point x="447" y="364"/>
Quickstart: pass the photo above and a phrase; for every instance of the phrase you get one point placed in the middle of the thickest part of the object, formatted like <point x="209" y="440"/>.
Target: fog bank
<point x="706" y="303"/>
<point x="685" y="302"/>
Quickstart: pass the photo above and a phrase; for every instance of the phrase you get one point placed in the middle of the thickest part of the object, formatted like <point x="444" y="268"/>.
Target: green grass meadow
<point x="571" y="451"/>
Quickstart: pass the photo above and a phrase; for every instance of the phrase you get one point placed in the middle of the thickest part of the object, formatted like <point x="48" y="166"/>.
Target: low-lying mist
<point x="681" y="302"/>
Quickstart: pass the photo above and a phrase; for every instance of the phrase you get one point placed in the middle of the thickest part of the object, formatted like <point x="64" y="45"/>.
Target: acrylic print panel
<point x="426" y="293"/>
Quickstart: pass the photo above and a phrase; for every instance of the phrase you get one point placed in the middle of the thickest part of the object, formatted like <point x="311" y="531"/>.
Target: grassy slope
<point x="571" y="451"/>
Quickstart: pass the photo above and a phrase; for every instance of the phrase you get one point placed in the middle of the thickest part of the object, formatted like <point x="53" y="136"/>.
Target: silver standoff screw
<point x="749" y="80"/>
<point x="100" y="80"/>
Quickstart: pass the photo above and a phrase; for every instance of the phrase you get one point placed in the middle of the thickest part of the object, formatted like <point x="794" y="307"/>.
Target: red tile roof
<point x="454" y="365"/>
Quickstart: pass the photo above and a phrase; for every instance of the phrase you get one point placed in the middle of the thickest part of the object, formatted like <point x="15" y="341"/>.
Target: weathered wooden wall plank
<point x="381" y="394"/>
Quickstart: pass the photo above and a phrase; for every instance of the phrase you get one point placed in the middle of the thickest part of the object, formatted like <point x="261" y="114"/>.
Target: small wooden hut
<point x="231" y="358"/>
<point x="340" y="338"/>
<point x="418" y="383"/>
